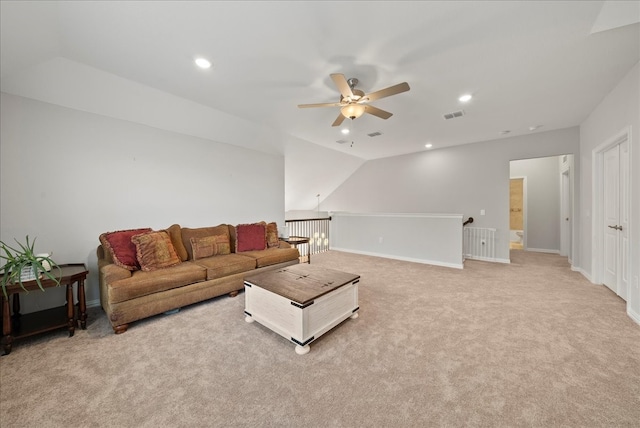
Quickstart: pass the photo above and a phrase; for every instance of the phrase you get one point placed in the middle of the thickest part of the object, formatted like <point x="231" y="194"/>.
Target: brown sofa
<point x="129" y="294"/>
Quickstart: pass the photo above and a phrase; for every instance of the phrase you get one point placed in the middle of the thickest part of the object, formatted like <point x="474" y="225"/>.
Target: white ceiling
<point x="527" y="63"/>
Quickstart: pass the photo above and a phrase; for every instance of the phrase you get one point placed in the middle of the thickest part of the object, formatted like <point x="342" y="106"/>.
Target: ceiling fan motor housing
<point x="357" y="95"/>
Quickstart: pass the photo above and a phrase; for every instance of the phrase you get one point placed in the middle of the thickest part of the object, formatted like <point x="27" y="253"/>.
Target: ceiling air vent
<point x="375" y="134"/>
<point x="454" y="114"/>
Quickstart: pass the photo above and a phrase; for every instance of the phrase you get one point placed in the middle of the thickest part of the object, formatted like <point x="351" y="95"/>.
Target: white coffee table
<point x="301" y="302"/>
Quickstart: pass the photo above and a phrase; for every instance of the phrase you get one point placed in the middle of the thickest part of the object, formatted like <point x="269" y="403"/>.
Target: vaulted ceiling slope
<point x="530" y="66"/>
<point x="525" y="63"/>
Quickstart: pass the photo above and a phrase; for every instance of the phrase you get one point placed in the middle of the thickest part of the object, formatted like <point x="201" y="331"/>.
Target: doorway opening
<point x="517" y="212"/>
<point x="542" y="204"/>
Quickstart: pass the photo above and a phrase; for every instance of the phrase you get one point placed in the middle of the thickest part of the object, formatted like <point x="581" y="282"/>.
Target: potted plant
<point x="23" y="264"/>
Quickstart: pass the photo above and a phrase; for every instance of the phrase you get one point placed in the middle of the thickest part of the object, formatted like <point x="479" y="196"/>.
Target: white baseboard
<point x="582" y="272"/>
<point x="633" y="315"/>
<point x="543" y="250"/>
<point x="489" y="259"/>
<point x="93" y="303"/>
<point x="406" y="259"/>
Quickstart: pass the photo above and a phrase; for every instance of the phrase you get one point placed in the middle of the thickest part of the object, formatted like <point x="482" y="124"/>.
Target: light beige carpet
<point x="526" y="344"/>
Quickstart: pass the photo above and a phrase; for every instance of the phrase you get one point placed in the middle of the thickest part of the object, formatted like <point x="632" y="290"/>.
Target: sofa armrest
<point x="282" y="244"/>
<point x="110" y="273"/>
<point x="103" y="255"/>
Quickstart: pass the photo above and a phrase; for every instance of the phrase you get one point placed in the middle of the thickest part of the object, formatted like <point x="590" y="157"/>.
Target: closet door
<point x="615" y="223"/>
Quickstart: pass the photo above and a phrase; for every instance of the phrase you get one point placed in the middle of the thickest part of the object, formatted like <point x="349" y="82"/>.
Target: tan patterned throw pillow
<point x="201" y="232"/>
<point x="175" y="233"/>
<point x="155" y="250"/>
<point x="203" y="247"/>
<point x="272" y="235"/>
<point x="208" y="246"/>
<point x="223" y="245"/>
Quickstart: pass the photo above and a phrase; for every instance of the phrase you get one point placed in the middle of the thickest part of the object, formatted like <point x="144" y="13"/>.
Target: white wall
<point x="617" y="111"/>
<point x="542" y="202"/>
<point x="434" y="239"/>
<point x="461" y="179"/>
<point x="68" y="175"/>
<point x="71" y="84"/>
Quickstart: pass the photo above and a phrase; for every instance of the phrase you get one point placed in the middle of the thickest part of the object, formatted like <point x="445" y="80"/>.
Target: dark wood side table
<point x="17" y="326"/>
<point x="297" y="240"/>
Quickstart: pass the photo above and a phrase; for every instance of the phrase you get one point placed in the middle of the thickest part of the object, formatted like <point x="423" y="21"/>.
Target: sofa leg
<point x="233" y="293"/>
<point x="119" y="329"/>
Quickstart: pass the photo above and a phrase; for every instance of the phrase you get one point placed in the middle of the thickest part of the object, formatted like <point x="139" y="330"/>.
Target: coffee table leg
<point x="301" y="350"/>
<point x="354" y="316"/>
<point x="249" y="319"/>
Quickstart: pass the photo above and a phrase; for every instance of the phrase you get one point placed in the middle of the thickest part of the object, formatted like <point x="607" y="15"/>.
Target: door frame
<point x="566" y="207"/>
<point x="524" y="207"/>
<point x="597" y="207"/>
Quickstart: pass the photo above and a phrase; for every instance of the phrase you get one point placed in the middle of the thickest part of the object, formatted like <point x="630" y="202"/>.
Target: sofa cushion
<point x="143" y="283"/>
<point x="122" y="250"/>
<point x="201" y="232"/>
<point x="154" y="250"/>
<point x="272" y="256"/>
<point x="272" y="235"/>
<point x="229" y="264"/>
<point x="175" y="232"/>
<point x="250" y="237"/>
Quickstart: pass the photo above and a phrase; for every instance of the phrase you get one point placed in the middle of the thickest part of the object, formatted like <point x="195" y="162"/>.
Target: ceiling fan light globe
<point x="353" y="111"/>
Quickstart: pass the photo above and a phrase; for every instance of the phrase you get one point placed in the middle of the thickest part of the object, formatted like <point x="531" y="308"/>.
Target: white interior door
<point x="615" y="221"/>
<point x="611" y="187"/>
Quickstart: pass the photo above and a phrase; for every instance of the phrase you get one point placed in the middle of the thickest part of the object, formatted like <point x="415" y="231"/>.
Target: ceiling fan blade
<point x="387" y="92"/>
<point x="338" y="120"/>
<point x="320" y="105"/>
<point x="377" y="112"/>
<point x="342" y="84"/>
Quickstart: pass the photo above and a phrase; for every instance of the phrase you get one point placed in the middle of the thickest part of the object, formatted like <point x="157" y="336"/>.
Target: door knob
<point x="613" y="227"/>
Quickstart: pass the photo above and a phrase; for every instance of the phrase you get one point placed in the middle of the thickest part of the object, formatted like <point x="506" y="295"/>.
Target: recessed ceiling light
<point x="428" y="145"/>
<point x="203" y="63"/>
<point x="465" y="98"/>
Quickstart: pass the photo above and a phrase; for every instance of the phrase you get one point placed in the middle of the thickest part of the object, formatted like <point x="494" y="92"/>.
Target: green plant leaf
<point x="17" y="259"/>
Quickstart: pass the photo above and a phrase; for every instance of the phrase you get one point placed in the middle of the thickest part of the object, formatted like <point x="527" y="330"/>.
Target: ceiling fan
<point x="353" y="101"/>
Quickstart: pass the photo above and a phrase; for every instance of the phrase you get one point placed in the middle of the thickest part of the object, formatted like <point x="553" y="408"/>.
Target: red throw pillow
<point x="123" y="251"/>
<point x="250" y="237"/>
